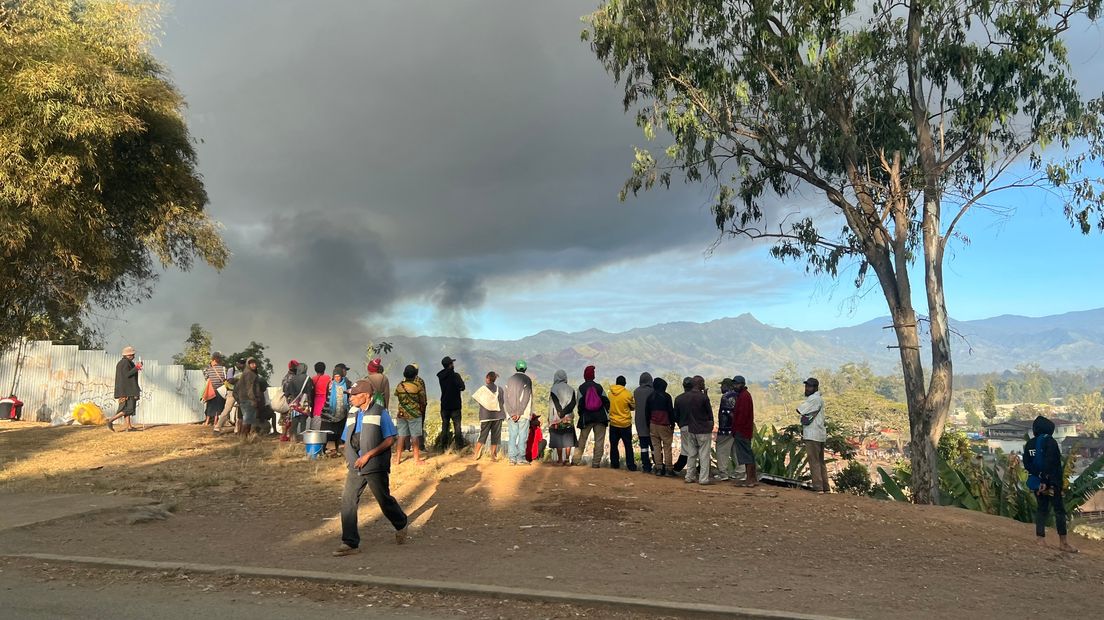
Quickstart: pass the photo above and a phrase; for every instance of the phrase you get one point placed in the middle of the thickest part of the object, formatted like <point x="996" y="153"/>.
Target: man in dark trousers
<point x="126" y="388"/>
<point x="369" y="434"/>
<point x="643" y="433"/>
<point x="1043" y="458"/>
<point x="451" y="386"/>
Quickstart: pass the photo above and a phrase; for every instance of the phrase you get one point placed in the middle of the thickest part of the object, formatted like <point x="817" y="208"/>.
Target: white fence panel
<point x="51" y="378"/>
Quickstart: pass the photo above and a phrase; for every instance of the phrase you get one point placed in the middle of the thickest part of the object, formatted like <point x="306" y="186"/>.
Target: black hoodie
<point x="1051" y="473"/>
<point x="451" y="386"/>
<point x="660" y="409"/>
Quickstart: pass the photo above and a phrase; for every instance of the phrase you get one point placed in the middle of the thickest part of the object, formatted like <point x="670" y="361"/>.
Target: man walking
<point x="369" y="434"/>
<point x="694" y="409"/>
<point x="743" y="428"/>
<point x="814" y="432"/>
<point x="451" y="405"/>
<point x="127" y="390"/>
<point x="622" y="405"/>
<point x="593" y="418"/>
<point x="518" y="402"/>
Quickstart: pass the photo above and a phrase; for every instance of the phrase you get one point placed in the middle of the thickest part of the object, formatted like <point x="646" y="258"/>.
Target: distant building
<point x="1084" y="447"/>
<point x="1010" y="435"/>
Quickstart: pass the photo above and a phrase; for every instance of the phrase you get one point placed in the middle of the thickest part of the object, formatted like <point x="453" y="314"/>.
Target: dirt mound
<point x="603" y="531"/>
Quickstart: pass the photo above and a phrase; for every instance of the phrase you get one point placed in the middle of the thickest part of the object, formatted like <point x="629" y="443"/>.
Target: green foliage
<point x="255" y="350"/>
<point x="1086" y="408"/>
<point x="854" y="479"/>
<point x="997" y="489"/>
<point x="98" y="174"/>
<point x="989" y="402"/>
<point x="197" y="349"/>
<point x="862" y="415"/>
<point x="780" y="453"/>
<point x="954" y="447"/>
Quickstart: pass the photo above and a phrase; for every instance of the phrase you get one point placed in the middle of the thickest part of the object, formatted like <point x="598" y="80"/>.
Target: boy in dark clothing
<point x="643" y="432"/>
<point x="1051" y="480"/>
<point x="451" y="406"/>
<point x="369" y="435"/>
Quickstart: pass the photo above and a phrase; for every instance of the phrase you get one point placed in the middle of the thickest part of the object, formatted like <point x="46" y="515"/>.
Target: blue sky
<point x="1030" y="262"/>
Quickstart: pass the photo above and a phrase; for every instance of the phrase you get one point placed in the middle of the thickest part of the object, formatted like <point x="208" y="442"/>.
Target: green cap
<point x="520" y="366"/>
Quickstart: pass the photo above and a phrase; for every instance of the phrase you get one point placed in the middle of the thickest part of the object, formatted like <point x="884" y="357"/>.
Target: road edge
<point x="707" y="610"/>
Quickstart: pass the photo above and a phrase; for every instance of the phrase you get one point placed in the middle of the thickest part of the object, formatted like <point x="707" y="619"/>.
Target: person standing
<point x="684" y="447"/>
<point x="127" y="390"/>
<point x="561" y="418"/>
<point x="693" y="407"/>
<point x="1042" y="457"/>
<point x="249" y="392"/>
<point x="381" y="387"/>
<point x="643" y="434"/>
<point x="518" y="403"/>
<point x="622" y="404"/>
<point x="726" y="455"/>
<point x="743" y="429"/>
<point x="410" y="397"/>
<point x="369" y="434"/>
<point x="593" y="418"/>
<point x="233" y="373"/>
<point x="337" y="407"/>
<point x="421" y="382"/>
<point x="321" y="394"/>
<point x="451" y="405"/>
<point x="215" y="373"/>
<point x="660" y="413"/>
<point x="815" y="433"/>
<point x="299" y="392"/>
<point x="491" y="414"/>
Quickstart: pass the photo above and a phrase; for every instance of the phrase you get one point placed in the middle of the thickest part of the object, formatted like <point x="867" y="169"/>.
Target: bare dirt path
<point x="571" y="529"/>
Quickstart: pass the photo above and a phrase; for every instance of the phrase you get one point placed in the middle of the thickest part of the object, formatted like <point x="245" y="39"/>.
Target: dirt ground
<point x="569" y="529"/>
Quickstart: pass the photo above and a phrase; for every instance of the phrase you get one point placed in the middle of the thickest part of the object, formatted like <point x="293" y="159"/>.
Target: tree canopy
<point x="841" y="133"/>
<point x="197" y="349"/>
<point x="98" y="179"/>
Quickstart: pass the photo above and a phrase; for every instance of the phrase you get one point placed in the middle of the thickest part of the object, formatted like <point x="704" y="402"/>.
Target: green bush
<point x="854" y="479"/>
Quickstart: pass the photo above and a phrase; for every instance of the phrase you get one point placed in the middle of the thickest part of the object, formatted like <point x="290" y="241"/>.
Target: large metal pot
<point x="315" y="437"/>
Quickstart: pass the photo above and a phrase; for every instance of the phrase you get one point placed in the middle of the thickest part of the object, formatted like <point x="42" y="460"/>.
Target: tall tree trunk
<point x="927" y="430"/>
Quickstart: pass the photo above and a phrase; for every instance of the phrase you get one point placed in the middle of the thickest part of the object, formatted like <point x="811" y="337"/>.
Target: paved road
<point x="24" y="596"/>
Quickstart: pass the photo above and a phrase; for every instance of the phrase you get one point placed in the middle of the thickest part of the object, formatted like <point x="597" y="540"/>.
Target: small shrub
<point x="854" y="479"/>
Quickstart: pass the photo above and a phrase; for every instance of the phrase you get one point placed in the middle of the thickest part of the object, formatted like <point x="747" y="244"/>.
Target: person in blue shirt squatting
<point x="369" y="433"/>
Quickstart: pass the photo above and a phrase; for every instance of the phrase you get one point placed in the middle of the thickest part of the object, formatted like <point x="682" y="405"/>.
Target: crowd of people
<point x="356" y="417"/>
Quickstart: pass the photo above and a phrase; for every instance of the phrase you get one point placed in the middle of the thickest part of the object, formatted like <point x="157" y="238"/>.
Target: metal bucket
<point x="314" y="441"/>
<point x="315" y="437"/>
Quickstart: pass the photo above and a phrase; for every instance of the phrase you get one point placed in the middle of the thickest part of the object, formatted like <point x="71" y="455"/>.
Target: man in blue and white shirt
<point x="369" y="434"/>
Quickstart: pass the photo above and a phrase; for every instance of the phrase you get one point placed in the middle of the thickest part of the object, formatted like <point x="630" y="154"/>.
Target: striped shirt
<point x="216" y="374"/>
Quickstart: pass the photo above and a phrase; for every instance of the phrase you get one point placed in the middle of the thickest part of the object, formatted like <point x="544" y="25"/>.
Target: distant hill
<point x="745" y="345"/>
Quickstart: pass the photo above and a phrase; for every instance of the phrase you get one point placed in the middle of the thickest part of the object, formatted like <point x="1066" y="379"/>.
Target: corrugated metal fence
<point x="51" y="378"/>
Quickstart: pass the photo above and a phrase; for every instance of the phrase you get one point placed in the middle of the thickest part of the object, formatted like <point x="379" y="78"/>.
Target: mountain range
<point x="745" y="345"/>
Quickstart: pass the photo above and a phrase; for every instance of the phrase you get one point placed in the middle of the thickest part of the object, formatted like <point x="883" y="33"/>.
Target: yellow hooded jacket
<point x="622" y="404"/>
